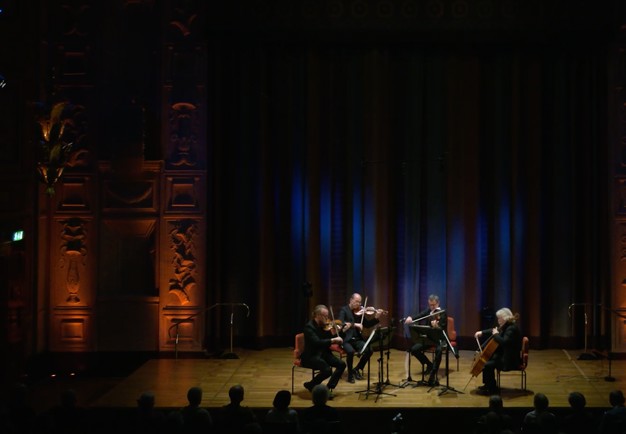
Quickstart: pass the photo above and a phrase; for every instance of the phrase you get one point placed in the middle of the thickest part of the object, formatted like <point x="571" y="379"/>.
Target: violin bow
<point x="363" y="308"/>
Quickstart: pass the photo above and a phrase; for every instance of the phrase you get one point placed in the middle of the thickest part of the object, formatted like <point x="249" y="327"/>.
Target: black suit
<point x="317" y="355"/>
<point x="353" y="340"/>
<point x="506" y="356"/>
<point x="418" y="348"/>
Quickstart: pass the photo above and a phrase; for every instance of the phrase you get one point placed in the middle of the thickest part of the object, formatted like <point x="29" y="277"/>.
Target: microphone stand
<point x="585" y="355"/>
<point x="178" y="321"/>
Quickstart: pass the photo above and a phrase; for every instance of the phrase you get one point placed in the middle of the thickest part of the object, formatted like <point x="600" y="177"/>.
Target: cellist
<point x="507" y="355"/>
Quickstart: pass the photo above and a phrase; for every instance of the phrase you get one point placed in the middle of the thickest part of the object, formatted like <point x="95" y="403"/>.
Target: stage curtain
<point x="475" y="173"/>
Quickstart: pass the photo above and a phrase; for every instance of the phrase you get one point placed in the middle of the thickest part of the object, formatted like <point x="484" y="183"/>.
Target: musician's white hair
<point x="506" y="314"/>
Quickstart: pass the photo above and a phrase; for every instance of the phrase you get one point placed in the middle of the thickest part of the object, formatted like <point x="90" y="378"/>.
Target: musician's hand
<point x="347" y="326"/>
<point x="478" y="334"/>
<point x="495" y="331"/>
<point x="358" y="326"/>
<point x="408" y="320"/>
<point x="434" y="324"/>
<point x="336" y="340"/>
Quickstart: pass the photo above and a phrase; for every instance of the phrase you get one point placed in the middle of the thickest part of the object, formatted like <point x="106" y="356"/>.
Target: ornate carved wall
<point x="124" y="232"/>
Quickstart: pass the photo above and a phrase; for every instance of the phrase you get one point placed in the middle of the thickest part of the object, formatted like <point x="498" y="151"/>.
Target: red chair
<point x="298" y="349"/>
<point x="523" y="363"/>
<point x="451" y="331"/>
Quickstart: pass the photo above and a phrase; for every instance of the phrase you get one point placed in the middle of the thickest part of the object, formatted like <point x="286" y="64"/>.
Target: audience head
<point x="541" y="402"/>
<point x="616" y="398"/>
<point x="282" y="399"/>
<point x="236" y="394"/>
<point x="146" y="400"/>
<point x="194" y="396"/>
<point x="319" y="394"/>
<point x="495" y="403"/>
<point x="577" y="400"/>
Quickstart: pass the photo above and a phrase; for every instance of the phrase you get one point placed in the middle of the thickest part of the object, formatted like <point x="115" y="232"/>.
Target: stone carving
<point x="73" y="249"/>
<point x="183" y="125"/>
<point x="182" y="244"/>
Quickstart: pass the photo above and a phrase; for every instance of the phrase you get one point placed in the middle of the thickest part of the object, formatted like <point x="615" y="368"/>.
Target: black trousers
<point x="351" y="348"/>
<point x="324" y="364"/>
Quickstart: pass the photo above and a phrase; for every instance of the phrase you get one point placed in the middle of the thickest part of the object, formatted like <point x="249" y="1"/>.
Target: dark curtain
<point x="478" y="174"/>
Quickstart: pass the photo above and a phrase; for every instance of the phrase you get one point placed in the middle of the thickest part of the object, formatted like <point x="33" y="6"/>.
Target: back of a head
<point x="146" y="401"/>
<point x="616" y="398"/>
<point x="282" y="399"/>
<point x="541" y="402"/>
<point x="577" y="400"/>
<point x="194" y="395"/>
<point x="319" y="394"/>
<point x="235" y="393"/>
<point x="495" y="403"/>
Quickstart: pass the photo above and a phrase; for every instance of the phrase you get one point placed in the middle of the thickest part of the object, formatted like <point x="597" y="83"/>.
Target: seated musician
<point x="319" y="335"/>
<point x="436" y="321"/>
<point x="507" y="355"/>
<point x="354" y="319"/>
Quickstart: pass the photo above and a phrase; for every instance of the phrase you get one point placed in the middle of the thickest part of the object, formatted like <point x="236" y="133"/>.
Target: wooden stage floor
<point x="554" y="372"/>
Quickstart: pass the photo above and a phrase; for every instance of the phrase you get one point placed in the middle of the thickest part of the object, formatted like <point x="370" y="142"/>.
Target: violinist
<point x="354" y="318"/>
<point x="436" y="321"/>
<point x="318" y="338"/>
<point x="507" y="355"/>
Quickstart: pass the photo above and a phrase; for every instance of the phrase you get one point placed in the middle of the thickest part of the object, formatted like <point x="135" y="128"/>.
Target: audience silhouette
<point x="234" y="417"/>
<point x="614" y="420"/>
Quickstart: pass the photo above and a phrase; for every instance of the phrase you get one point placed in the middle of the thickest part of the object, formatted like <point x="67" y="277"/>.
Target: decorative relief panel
<point x="184" y="131"/>
<point x="71" y="330"/>
<point x="184" y="193"/>
<point x="73" y="251"/>
<point x="139" y="196"/>
<point x="188" y="332"/>
<point x="182" y="238"/>
<point x="73" y="194"/>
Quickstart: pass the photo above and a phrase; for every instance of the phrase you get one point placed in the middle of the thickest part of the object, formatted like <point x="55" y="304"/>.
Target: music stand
<point x="446" y="388"/>
<point x="382" y="335"/>
<point x="419" y="334"/>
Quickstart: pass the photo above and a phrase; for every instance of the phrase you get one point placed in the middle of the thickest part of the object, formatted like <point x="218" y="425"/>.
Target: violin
<point x="371" y="311"/>
<point x="331" y="325"/>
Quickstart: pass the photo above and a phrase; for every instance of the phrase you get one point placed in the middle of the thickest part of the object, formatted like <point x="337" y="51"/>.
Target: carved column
<point x="183" y="229"/>
<point x="68" y="74"/>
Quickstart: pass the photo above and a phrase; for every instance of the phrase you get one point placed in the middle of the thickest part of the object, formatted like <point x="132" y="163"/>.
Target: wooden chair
<point x="298" y="349"/>
<point x="451" y="331"/>
<point x="523" y="364"/>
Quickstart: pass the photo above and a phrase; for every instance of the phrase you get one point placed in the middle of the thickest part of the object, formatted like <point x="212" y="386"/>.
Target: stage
<point x="554" y="372"/>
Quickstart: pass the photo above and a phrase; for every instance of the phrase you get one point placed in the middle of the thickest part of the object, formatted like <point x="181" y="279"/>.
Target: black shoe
<point x="432" y="382"/>
<point x="309" y="385"/>
<point x="429" y="369"/>
<point x="350" y="379"/>
<point x="358" y="374"/>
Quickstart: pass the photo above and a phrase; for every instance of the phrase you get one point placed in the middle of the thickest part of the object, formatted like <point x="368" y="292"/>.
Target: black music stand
<point x="385" y="331"/>
<point x="381" y="337"/>
<point x="419" y="333"/>
<point x="447" y="388"/>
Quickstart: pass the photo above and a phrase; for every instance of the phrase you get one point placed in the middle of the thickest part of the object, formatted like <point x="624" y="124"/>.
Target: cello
<point x="483" y="357"/>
